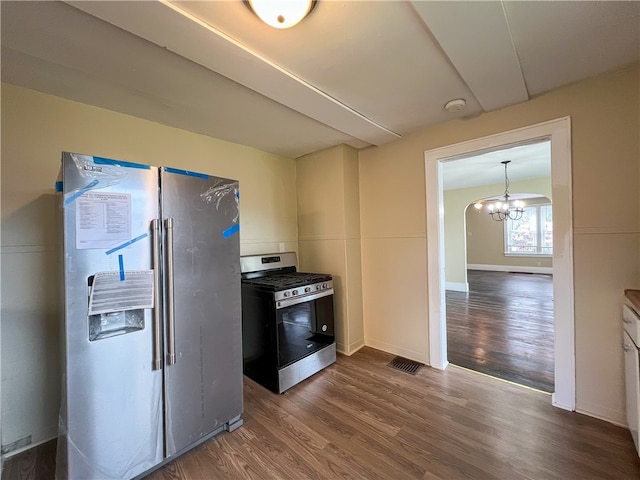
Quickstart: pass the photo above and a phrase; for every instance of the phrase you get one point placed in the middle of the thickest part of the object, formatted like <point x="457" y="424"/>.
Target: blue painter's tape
<point x="80" y="192"/>
<point x="121" y="163"/>
<point x="121" y="263"/>
<point x="231" y="230"/>
<point x="238" y="194"/>
<point x="58" y="186"/>
<point x="186" y="172"/>
<point x="126" y="244"/>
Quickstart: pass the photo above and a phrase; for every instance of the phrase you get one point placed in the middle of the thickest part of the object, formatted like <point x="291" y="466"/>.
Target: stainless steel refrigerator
<point x="153" y="360"/>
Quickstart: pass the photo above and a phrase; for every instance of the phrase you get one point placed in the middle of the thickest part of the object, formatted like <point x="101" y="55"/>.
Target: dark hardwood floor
<point x="504" y="327"/>
<point x="34" y="464"/>
<point x="361" y="419"/>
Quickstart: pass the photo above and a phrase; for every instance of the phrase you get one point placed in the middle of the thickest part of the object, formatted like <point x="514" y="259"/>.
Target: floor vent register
<point x="406" y="365"/>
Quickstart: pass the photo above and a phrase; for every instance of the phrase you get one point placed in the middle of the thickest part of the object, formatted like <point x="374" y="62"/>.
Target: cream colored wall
<point x="604" y="119"/>
<point x="485" y="242"/>
<point x="35" y="129"/>
<point x="394" y="248"/>
<point x="455" y="233"/>
<point x="329" y="234"/>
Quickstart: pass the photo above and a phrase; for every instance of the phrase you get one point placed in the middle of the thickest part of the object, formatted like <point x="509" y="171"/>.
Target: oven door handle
<point x="305" y="298"/>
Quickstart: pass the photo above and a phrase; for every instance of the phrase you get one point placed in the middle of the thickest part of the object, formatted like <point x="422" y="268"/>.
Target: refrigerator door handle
<point x="156" y="362"/>
<point x="171" y="326"/>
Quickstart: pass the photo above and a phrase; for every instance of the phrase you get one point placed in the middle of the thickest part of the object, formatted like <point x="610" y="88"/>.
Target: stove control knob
<point x="295" y="292"/>
<point x="286" y="294"/>
<point x="318" y="287"/>
<point x="324" y="285"/>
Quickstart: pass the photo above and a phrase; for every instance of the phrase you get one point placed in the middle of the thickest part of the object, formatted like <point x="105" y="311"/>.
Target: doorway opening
<point x="498" y="264"/>
<point x="557" y="132"/>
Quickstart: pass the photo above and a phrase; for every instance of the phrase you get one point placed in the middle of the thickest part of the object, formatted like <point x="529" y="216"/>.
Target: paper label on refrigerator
<point x="103" y="220"/>
<point x="111" y="292"/>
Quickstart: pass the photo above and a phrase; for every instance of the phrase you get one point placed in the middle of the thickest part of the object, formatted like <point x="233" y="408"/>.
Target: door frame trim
<point x="558" y="131"/>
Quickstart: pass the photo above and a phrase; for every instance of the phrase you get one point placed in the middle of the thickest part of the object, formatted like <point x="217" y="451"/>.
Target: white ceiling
<point x="526" y="162"/>
<point x="356" y="72"/>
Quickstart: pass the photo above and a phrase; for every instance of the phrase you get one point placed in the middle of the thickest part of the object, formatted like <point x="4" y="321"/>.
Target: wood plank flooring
<point x="34" y="464"/>
<point x="504" y="327"/>
<point x="360" y="419"/>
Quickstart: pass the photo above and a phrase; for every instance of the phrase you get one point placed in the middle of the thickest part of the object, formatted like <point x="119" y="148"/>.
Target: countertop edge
<point x="634" y="297"/>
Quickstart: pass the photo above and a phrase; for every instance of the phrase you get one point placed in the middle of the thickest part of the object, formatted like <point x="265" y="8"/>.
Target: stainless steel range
<point x="287" y="321"/>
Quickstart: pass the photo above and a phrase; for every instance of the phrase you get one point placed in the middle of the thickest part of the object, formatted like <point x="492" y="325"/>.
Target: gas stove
<point x="277" y="273"/>
<point x="287" y="320"/>
<point x="283" y="281"/>
<point x="292" y="286"/>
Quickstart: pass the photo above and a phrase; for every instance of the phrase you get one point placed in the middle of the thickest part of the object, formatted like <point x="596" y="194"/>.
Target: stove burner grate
<point x="283" y="281"/>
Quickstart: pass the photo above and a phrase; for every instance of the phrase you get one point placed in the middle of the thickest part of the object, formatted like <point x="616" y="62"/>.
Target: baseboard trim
<point x="353" y="348"/>
<point x="397" y="350"/>
<point x="457" y="286"/>
<point x="615" y="417"/>
<point x="510" y="268"/>
<point x="25" y="448"/>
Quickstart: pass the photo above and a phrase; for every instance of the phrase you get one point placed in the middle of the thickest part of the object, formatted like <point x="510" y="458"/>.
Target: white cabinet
<point x="631" y="323"/>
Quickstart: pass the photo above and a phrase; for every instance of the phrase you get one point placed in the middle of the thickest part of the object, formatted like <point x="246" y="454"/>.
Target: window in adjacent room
<point x="532" y="234"/>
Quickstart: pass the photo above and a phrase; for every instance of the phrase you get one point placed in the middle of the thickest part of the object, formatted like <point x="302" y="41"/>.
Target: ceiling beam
<point x="477" y="39"/>
<point x="170" y="27"/>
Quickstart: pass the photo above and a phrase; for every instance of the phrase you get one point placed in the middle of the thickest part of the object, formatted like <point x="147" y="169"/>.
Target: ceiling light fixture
<point x="501" y="211"/>
<point x="281" y="13"/>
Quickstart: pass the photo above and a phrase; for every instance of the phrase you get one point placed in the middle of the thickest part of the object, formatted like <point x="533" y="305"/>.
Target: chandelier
<point x="505" y="210"/>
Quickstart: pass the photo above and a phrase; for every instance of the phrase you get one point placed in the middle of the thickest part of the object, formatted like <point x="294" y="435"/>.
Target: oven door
<point x="304" y="327"/>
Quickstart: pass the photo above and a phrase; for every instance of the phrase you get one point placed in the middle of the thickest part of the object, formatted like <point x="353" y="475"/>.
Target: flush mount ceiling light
<point x="281" y="13"/>
<point x="507" y="210"/>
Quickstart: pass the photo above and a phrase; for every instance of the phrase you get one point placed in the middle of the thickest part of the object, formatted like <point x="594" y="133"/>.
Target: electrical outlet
<point x="282" y="246"/>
